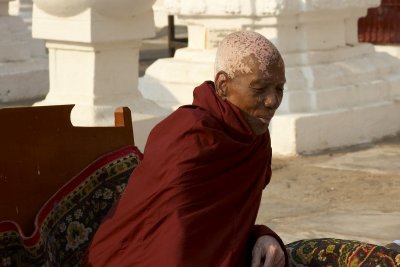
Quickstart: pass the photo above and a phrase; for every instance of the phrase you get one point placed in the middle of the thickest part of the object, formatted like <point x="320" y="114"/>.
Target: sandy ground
<point x="352" y="193"/>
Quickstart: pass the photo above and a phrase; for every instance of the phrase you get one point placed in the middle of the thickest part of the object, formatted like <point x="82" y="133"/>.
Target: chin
<point x="259" y="131"/>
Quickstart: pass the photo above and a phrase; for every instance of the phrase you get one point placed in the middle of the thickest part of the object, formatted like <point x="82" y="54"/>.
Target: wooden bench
<point x="49" y="173"/>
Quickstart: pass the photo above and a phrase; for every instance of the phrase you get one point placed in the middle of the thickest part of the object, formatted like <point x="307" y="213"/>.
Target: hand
<point x="267" y="253"/>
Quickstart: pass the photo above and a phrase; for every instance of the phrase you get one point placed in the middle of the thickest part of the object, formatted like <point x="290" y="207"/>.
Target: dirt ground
<point x="351" y="193"/>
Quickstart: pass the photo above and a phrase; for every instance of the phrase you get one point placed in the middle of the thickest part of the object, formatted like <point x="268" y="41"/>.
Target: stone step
<point x="299" y="133"/>
<point x="317" y="57"/>
<point x="169" y="94"/>
<point x="352" y="95"/>
<point x="367" y="68"/>
<point x="23" y="80"/>
<point x="180" y="71"/>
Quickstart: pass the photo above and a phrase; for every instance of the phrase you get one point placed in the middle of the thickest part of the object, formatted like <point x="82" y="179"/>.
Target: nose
<point x="272" y="100"/>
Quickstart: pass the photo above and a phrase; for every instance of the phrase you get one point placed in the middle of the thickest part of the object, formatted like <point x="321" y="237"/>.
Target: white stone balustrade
<point x="338" y="92"/>
<point x="93" y="57"/>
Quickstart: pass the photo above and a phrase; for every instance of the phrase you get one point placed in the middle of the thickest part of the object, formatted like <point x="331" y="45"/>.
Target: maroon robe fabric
<point x="194" y="198"/>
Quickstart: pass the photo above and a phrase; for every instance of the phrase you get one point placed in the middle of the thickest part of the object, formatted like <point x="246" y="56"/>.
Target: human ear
<point x="221" y="84"/>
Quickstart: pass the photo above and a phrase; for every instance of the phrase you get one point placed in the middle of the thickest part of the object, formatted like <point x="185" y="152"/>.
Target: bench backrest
<point x="41" y="150"/>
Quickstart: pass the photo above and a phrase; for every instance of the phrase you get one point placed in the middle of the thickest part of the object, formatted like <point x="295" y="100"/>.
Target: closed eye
<point x="260" y="90"/>
<point x="280" y="88"/>
<point x="259" y="84"/>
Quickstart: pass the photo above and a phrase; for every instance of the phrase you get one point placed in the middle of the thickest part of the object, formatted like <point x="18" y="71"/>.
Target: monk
<point x="194" y="198"/>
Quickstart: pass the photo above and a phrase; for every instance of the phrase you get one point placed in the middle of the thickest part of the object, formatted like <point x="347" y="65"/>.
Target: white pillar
<point x="13" y="7"/>
<point x="338" y="92"/>
<point x="93" y="58"/>
<point x="23" y="75"/>
<point x="23" y="9"/>
<point x="160" y="14"/>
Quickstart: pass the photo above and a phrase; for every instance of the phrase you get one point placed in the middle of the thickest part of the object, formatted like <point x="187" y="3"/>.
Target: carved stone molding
<point x="260" y="7"/>
<point x="63" y="8"/>
<point x="116" y="8"/>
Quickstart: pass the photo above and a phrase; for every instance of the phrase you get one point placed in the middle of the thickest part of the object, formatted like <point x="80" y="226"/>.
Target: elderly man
<point x="194" y="198"/>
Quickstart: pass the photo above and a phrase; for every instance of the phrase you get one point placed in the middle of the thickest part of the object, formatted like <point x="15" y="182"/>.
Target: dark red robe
<point x="194" y="198"/>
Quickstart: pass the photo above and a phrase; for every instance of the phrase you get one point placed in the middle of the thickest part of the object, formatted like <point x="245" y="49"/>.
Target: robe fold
<point x="194" y="198"/>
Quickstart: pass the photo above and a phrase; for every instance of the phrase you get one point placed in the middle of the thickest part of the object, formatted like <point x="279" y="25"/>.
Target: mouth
<point x="265" y="119"/>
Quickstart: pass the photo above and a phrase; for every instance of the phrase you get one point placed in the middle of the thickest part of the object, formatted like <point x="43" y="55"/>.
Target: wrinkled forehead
<point x="242" y="51"/>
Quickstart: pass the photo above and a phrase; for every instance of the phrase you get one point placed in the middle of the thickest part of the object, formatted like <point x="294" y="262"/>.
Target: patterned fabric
<point x="339" y="253"/>
<point x="67" y="222"/>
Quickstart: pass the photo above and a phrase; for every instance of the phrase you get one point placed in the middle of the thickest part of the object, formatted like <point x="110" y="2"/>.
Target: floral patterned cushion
<point x="67" y="222"/>
<point x="337" y="253"/>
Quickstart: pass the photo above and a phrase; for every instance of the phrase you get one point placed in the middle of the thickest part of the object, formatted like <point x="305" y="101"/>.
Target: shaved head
<point x="250" y="74"/>
<point x="240" y="51"/>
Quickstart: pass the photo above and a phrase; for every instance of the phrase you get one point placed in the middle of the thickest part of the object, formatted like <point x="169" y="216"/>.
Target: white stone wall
<point x="261" y="7"/>
<point x="338" y="92"/>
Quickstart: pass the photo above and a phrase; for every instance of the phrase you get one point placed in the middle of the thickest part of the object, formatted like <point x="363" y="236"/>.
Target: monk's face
<point x="256" y="93"/>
